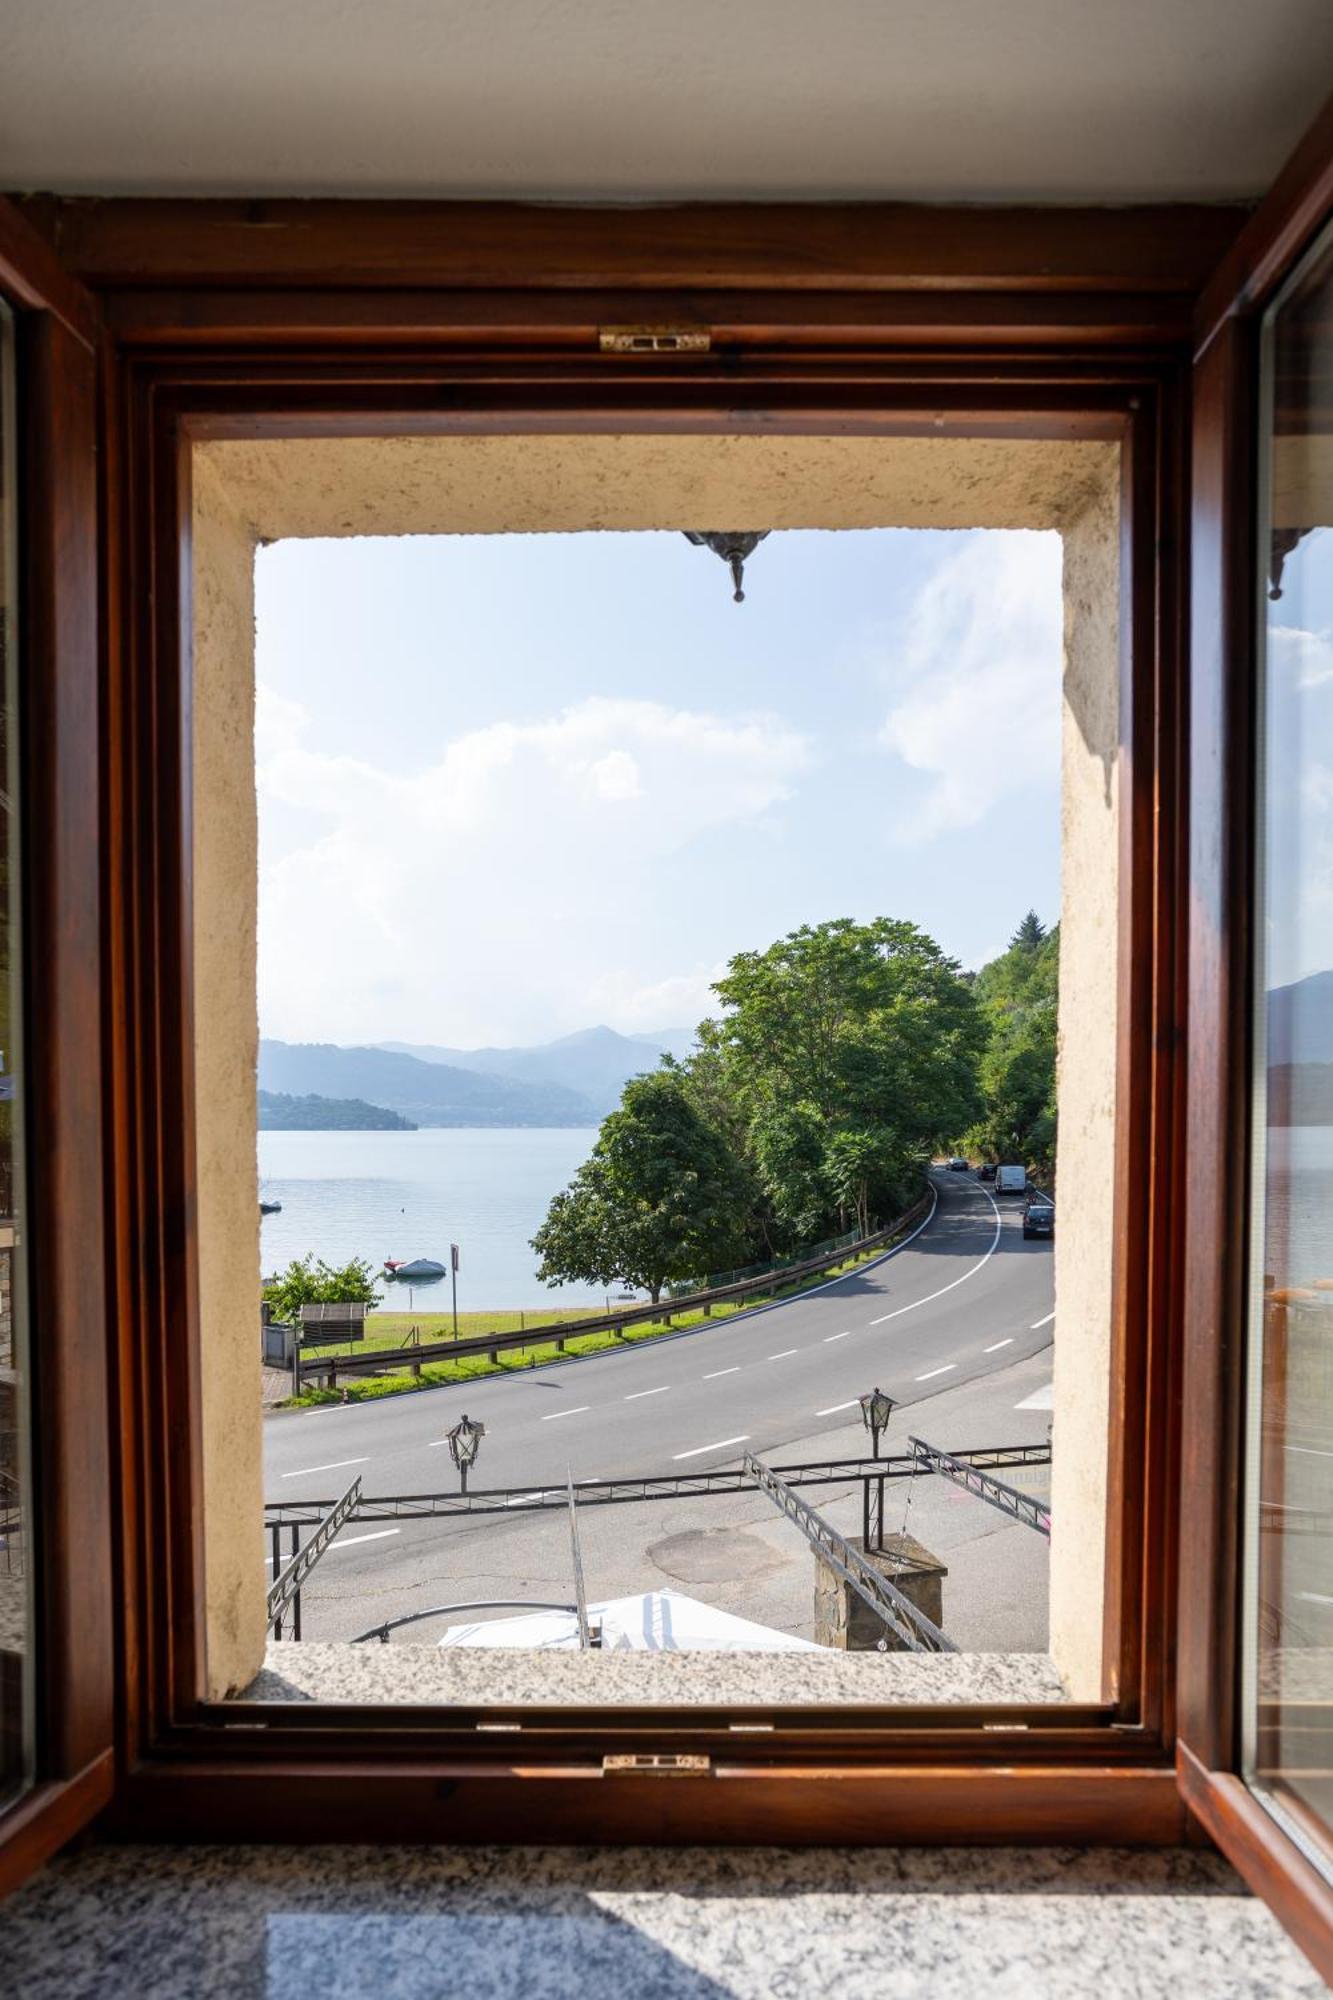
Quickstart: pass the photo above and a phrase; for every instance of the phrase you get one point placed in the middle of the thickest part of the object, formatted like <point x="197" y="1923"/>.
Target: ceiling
<point x="973" y="100"/>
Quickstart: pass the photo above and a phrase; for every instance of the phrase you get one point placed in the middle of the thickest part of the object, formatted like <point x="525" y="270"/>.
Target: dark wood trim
<point x="1259" y="1850"/>
<point x="50" y="1817"/>
<point x="1223" y="598"/>
<point x="1297" y="204"/>
<point x="740" y="1803"/>
<point x="31" y="275"/>
<point x="856" y="247"/>
<point x="60" y="888"/>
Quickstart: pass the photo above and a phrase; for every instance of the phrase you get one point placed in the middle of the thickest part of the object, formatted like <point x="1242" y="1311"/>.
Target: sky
<point x="515" y="786"/>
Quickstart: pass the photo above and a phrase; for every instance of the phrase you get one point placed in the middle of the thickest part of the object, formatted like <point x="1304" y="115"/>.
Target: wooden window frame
<point x="59" y="343"/>
<point x="272" y="319"/>
<point x="1223" y="675"/>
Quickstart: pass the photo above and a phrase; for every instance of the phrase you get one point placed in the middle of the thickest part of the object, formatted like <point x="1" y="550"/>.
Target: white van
<point x="1011" y="1180"/>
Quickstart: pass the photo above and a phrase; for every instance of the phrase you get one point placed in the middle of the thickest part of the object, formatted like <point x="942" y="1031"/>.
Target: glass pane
<point x="16" y="1602"/>
<point x="1290" y="1513"/>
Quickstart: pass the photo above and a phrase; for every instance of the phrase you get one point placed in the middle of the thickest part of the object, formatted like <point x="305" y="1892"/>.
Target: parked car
<point x="986" y="1171"/>
<point x="958" y="1165"/>
<point x="1038" y="1216"/>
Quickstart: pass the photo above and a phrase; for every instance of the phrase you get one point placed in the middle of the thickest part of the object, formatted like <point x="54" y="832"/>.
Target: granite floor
<point x="691" y="1924"/>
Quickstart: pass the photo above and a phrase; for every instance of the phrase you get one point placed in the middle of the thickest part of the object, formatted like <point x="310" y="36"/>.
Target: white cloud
<point x="975" y="685"/>
<point x="1300" y="658"/>
<point x="507" y="891"/>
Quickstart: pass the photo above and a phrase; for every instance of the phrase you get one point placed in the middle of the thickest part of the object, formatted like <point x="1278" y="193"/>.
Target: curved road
<point x="962" y="1299"/>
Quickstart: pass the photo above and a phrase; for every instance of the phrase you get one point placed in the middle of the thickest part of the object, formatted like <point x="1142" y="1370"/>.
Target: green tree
<point x="306" y="1282"/>
<point x="661" y="1197"/>
<point x="1018" y="994"/>
<point x="845" y="1028"/>
<point x="1029" y="933"/>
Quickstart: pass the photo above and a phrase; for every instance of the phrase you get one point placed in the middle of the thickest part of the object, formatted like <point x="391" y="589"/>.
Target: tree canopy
<point x="660" y="1198"/>
<point x="1018" y="994"/>
<point x="307" y="1282"/>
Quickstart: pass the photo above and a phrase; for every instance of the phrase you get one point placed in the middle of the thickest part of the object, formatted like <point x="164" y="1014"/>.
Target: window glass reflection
<point x="1290" y="1515"/>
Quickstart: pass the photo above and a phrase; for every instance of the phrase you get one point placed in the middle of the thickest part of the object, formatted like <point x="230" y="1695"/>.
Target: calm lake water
<point x="412" y="1194"/>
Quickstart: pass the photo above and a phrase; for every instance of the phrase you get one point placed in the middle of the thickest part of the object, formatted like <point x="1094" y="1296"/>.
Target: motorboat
<point x="270" y="1208"/>
<point x="417" y="1272"/>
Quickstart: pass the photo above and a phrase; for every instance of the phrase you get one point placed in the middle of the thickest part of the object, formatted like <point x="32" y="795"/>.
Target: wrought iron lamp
<point x="876" y="1409"/>
<point x="464" y="1442"/>
<point x="734" y="550"/>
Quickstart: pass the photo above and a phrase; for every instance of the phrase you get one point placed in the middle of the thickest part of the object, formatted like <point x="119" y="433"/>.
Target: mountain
<point x="428" y="1093"/>
<point x="1300" y="1021"/>
<point x="596" y="1062"/>
<point x="280" y="1113"/>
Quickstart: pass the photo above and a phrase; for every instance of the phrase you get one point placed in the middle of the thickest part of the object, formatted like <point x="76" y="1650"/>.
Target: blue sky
<point x="512" y="786"/>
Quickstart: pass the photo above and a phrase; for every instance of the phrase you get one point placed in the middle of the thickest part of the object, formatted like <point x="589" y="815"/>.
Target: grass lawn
<point x="390" y="1330"/>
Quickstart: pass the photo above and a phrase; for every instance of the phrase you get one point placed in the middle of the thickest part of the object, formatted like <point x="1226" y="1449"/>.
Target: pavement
<point x="956" y="1325"/>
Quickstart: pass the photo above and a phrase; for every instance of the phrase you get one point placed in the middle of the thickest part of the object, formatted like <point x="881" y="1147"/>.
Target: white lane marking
<point x="336" y="1465"/>
<point x="786" y="1353"/>
<point x="700" y="1449"/>
<point x="998" y="1345"/>
<point x="1313" y="1597"/>
<point x="1041" y="1323"/>
<point x="545" y="1494"/>
<point x="930" y="1296"/>
<point x="1040" y="1399"/>
<point x="722" y="1371"/>
<point x="1309" y="1451"/>
<point x="648" y="1392"/>
<point x="352" y="1540"/>
<point x="834" y="1408"/>
<point x="931" y="1373"/>
<point x="837" y="1336"/>
<point x="577" y="1411"/>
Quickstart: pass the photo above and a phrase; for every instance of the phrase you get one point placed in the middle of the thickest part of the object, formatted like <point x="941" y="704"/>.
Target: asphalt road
<point x="965" y="1298"/>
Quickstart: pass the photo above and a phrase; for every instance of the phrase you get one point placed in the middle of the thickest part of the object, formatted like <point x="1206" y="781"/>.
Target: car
<point x="1039" y="1217"/>
<point x="986" y="1171"/>
<point x="958" y="1165"/>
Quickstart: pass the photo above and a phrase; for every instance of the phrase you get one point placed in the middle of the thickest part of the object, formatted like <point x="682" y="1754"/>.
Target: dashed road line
<point x="722" y="1371"/>
<point x="785" y="1355"/>
<point x="837" y="1336"/>
<point x="352" y="1540"/>
<point x="638" y="1393"/>
<point x="931" y="1373"/>
<point x="834" y="1408"/>
<point x="721" y="1445"/>
<point x="577" y="1411"/>
<point x="998" y="1345"/>
<point x="336" y="1466"/>
<point x="1041" y="1323"/>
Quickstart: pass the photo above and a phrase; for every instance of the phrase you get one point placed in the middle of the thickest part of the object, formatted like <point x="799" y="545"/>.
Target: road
<point x="965" y="1297"/>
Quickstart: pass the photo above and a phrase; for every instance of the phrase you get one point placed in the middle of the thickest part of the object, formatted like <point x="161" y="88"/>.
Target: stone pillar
<point x="843" y="1619"/>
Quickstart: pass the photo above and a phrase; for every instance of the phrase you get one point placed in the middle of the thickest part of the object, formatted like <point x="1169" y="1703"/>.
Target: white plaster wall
<point x="245" y="491"/>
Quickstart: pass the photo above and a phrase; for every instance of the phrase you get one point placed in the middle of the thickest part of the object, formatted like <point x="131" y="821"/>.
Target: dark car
<point x="987" y="1171"/>
<point x="1039" y="1217"/>
<point x="958" y="1165"/>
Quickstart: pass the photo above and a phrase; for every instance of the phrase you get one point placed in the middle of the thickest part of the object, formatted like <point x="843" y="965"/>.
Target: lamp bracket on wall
<point x="733" y="549"/>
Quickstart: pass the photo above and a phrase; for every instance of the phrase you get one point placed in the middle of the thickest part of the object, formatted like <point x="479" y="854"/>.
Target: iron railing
<point x="1010" y="1500"/>
<point x="285" y="1589"/>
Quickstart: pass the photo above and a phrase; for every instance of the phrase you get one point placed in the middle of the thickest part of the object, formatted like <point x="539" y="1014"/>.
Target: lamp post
<point x="876" y="1409"/>
<point x="464" y="1442"/>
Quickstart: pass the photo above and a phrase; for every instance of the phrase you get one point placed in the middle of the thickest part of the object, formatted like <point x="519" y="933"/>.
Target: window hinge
<point x="654" y="340"/>
<point x="661" y="1765"/>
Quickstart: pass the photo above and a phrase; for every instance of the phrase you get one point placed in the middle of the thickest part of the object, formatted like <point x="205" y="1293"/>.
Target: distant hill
<point x="1300" y="1021"/>
<point x="426" y="1092"/>
<point x="597" y="1063"/>
<point x="280" y="1113"/>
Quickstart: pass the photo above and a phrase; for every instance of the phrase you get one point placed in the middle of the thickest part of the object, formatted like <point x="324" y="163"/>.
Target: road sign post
<point x="453" y="1274"/>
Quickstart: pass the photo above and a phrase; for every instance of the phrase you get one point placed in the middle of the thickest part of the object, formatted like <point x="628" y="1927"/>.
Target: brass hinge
<point x="654" y="340"/>
<point x="664" y="1765"/>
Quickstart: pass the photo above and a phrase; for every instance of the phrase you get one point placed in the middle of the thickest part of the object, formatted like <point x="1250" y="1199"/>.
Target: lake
<point x="412" y="1194"/>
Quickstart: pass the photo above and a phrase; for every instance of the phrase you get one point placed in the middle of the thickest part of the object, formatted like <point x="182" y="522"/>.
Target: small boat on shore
<point x="419" y="1271"/>
<point x="270" y="1208"/>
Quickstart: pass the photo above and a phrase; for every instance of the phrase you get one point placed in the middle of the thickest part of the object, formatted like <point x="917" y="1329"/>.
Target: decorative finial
<point x="733" y="549"/>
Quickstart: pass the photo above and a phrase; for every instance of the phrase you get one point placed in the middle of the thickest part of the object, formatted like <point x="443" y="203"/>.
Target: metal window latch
<point x="659" y="1765"/>
<point x="654" y="340"/>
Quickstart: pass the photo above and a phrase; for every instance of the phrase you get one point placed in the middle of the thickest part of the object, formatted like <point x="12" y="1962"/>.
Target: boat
<point x="416" y="1272"/>
<point x="270" y="1208"/>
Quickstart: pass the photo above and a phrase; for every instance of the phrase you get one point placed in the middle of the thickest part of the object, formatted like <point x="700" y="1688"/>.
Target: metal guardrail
<point x="1019" y="1506"/>
<point x="286" y="1589"/>
<point x="666" y="1486"/>
<point x="917" y="1632"/>
<point x="386" y="1360"/>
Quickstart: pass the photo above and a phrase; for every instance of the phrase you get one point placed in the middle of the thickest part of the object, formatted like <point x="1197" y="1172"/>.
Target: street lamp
<point x="464" y="1442"/>
<point x="876" y="1409"/>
